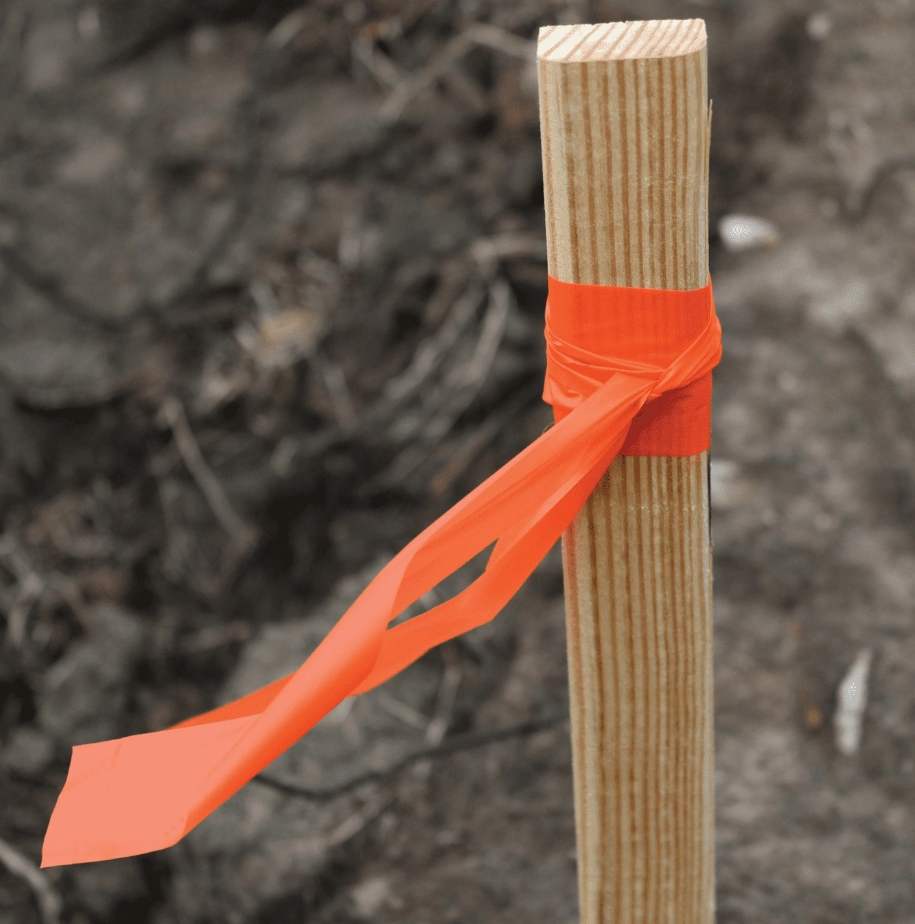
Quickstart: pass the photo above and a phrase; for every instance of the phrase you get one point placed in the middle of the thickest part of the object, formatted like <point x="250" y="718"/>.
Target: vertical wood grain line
<point x="607" y="216"/>
<point x="591" y="203"/>
<point x="668" y="270"/>
<point x="624" y="231"/>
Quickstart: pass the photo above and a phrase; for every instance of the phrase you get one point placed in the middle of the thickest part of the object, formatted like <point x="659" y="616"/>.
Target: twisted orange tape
<point x="627" y="370"/>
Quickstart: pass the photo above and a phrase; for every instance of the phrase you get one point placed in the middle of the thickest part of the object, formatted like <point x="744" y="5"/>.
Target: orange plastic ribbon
<point x="627" y="370"/>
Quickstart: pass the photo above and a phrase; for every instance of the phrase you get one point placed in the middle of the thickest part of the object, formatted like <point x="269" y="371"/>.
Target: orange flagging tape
<point x="628" y="370"/>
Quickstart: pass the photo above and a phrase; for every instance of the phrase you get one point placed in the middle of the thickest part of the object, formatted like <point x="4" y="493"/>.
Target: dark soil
<point x="272" y="292"/>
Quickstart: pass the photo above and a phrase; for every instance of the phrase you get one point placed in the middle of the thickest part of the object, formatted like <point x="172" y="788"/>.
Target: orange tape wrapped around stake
<point x="628" y="370"/>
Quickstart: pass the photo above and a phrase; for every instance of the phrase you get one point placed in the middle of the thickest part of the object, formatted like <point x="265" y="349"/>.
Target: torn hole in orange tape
<point x="628" y="371"/>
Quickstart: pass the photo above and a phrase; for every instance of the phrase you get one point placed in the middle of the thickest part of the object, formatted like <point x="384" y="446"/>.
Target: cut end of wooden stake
<point x="624" y="120"/>
<point x="618" y="41"/>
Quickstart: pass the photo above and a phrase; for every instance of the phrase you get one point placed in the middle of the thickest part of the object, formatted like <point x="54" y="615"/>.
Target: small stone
<point x="819" y="25"/>
<point x="747" y="232"/>
<point x="728" y="488"/>
<point x="851" y="702"/>
<point x="369" y="896"/>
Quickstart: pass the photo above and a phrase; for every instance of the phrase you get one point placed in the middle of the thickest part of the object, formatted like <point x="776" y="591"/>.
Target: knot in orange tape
<point x="593" y="332"/>
<point x="628" y="369"/>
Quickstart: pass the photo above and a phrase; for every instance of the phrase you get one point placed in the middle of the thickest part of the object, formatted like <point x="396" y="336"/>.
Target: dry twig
<point x="243" y="533"/>
<point x="857" y="211"/>
<point x="341" y="398"/>
<point x="430" y="353"/>
<point x="461" y="457"/>
<point x="29" y="588"/>
<point x="456" y="392"/>
<point x="376" y="62"/>
<point x="466" y="742"/>
<point x="446" y="58"/>
<point x="501" y="301"/>
<point x="499" y="40"/>
<point x="447" y="694"/>
<point x="489" y="250"/>
<point x="346" y="830"/>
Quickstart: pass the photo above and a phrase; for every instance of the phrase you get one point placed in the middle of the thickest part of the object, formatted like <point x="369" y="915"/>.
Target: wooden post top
<point x="624" y="122"/>
<point x="618" y="41"/>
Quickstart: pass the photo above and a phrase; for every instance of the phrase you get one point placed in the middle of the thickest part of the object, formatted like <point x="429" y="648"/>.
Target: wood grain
<point x="625" y="131"/>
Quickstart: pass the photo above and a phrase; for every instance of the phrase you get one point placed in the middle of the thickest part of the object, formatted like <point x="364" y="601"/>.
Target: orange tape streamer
<point x="628" y="370"/>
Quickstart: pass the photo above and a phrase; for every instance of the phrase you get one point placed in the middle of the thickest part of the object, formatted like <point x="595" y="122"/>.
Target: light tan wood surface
<point x="625" y="129"/>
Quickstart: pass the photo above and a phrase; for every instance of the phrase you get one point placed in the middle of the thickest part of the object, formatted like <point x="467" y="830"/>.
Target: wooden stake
<point x="624" y="124"/>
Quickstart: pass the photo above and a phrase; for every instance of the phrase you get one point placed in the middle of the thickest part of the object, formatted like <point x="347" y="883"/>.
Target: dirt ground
<point x="272" y="282"/>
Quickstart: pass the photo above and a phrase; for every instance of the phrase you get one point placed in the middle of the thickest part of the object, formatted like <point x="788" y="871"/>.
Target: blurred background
<point x="272" y="280"/>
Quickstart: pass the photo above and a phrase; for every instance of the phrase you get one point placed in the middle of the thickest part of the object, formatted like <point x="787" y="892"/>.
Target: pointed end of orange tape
<point x="136" y="794"/>
<point x="103" y="814"/>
